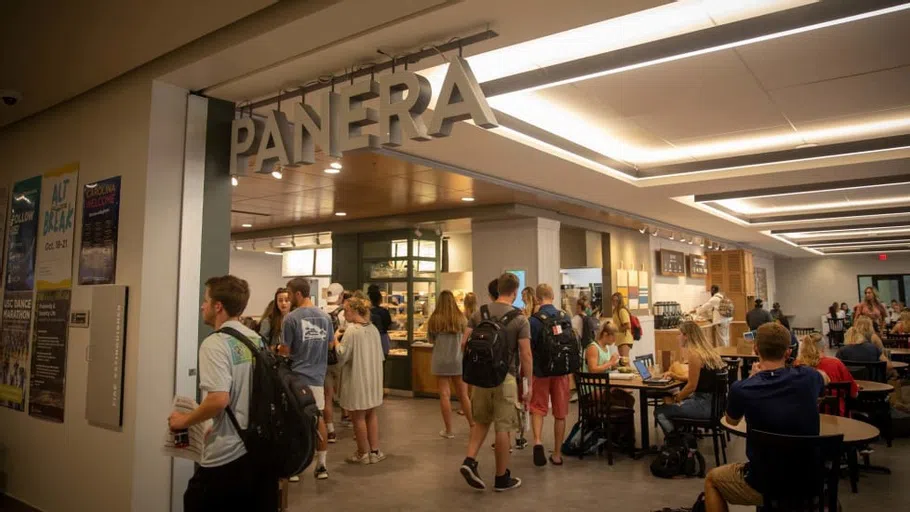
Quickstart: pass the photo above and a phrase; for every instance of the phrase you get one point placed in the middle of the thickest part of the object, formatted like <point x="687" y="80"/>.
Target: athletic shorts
<point x="319" y="395"/>
<point x="730" y="481"/>
<point x="550" y="391"/>
<point x="497" y="406"/>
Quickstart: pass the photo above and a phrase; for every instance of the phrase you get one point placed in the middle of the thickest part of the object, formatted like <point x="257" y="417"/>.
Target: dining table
<point x="748" y="357"/>
<point x="643" y="388"/>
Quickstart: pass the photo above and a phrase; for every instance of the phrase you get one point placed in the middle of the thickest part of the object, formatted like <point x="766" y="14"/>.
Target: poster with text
<point x="100" y="223"/>
<point x="47" y="379"/>
<point x="23" y="234"/>
<point x="58" y="211"/>
<point x="14" y="347"/>
<point x="643" y="290"/>
<point x="4" y="204"/>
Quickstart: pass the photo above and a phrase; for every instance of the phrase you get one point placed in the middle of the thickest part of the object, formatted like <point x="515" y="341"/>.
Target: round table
<point x="854" y="431"/>
<point x="898" y="365"/>
<point x="868" y="386"/>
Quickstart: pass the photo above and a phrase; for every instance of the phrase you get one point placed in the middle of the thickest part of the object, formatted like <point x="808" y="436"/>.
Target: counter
<point x="666" y="341"/>
<point x="423" y="381"/>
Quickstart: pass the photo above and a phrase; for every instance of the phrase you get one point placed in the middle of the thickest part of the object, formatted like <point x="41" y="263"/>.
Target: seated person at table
<point x="861" y="346"/>
<point x="694" y="401"/>
<point x="601" y="356"/>
<point x="863" y="331"/>
<point x="774" y="399"/>
<point x="903" y="324"/>
<point x="831" y="367"/>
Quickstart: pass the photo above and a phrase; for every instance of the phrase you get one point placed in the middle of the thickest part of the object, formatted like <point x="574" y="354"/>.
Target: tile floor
<point x="421" y="473"/>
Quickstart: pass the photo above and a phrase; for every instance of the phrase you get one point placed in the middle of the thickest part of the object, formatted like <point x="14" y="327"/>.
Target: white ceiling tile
<point x="843" y="50"/>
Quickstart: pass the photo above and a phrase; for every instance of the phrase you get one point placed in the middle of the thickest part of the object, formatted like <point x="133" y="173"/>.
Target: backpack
<point x="635" y="325"/>
<point x="557" y="351"/>
<point x="589" y="326"/>
<point x="283" y="417"/>
<point x="574" y="445"/>
<point x="487" y="354"/>
<point x="679" y="456"/>
<point x="725" y="308"/>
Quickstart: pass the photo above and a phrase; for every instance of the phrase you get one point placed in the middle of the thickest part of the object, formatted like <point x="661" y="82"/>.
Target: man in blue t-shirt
<point x="773" y="399"/>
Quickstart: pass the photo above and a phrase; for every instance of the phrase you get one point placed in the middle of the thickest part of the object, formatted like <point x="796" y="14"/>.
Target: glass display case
<point x="406" y="269"/>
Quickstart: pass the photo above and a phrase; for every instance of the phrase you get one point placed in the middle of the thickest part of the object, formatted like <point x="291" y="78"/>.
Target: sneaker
<point x="376" y="457"/>
<point x="521" y="443"/>
<point x="506" y="482"/>
<point x="470" y="474"/>
<point x="332" y="438"/>
<point x="321" y="473"/>
<point x="295" y="478"/>
<point x="358" y="458"/>
<point x="447" y="435"/>
<point x="540" y="456"/>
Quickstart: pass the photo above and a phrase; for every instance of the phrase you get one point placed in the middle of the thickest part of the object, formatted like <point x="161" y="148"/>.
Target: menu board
<point x="672" y="263"/>
<point x="698" y="266"/>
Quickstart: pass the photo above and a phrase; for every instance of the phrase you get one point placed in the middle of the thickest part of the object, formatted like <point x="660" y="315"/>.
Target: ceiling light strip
<point x="862" y="252"/>
<point x="879" y="226"/>
<point x="731" y="35"/>
<point x="853" y="241"/>
<point x="806" y="188"/>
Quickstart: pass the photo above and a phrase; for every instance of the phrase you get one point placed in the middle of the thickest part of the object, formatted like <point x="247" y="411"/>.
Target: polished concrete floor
<point x="421" y="473"/>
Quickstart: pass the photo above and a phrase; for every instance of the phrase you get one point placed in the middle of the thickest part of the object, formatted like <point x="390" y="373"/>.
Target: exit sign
<point x="882" y="257"/>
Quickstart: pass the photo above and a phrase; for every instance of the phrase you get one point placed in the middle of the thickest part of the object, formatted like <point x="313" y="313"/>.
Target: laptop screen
<point x="642" y="370"/>
<point x="749" y="335"/>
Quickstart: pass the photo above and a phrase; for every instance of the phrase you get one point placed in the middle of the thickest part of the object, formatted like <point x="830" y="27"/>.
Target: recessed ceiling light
<point x="277" y="175"/>
<point x="234" y="181"/>
<point x="247" y="225"/>
<point x="340" y="214"/>
<point x="643" y="230"/>
<point x="335" y="165"/>
<point x="468" y="199"/>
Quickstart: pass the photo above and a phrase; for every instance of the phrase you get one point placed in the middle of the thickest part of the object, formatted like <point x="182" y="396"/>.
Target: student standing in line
<point x="226" y="478"/>
<point x="307" y="332"/>
<point x="470" y="305"/>
<point x="547" y="391"/>
<point x="270" y="326"/>
<point x="498" y="406"/>
<point x="445" y="329"/>
<point x="531" y="304"/>
<point x="622" y="319"/>
<point x="380" y="317"/>
<point x="360" y="361"/>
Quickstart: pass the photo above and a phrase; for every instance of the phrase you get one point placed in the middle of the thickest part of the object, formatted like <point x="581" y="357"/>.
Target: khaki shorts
<point x="730" y="482"/>
<point x="497" y="406"/>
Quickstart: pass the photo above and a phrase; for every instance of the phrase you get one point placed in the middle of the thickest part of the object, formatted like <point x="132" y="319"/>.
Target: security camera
<point x="10" y="97"/>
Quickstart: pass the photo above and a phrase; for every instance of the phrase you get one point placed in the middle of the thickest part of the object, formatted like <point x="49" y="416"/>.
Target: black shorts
<point x="234" y="486"/>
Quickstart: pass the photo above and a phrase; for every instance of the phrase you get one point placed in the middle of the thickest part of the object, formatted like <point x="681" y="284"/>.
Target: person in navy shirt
<point x="774" y="399"/>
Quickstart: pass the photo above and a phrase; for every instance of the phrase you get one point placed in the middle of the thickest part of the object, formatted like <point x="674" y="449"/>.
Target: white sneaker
<point x="295" y="478"/>
<point x="321" y="473"/>
<point x="376" y="457"/>
<point x="358" y="458"/>
<point x="447" y="435"/>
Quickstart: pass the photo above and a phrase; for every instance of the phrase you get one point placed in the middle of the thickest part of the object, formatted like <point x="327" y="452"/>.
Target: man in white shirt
<point x="711" y="311"/>
<point x="226" y="478"/>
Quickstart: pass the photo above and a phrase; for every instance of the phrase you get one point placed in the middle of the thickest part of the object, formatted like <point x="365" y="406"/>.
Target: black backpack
<point x="557" y="351"/>
<point x="487" y="354"/>
<point x="590" y="324"/>
<point x="679" y="456"/>
<point x="283" y="417"/>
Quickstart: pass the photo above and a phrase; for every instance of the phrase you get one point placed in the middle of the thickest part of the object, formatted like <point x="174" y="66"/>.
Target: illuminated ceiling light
<point x="691" y="241"/>
<point x="234" y="181"/>
<point x="860" y="246"/>
<point x="237" y="247"/>
<point x="654" y="232"/>
<point x="272" y="253"/>
<point x="833" y="233"/>
<point x="335" y="165"/>
<point x="246" y="225"/>
<point x="277" y="174"/>
<point x="643" y="230"/>
<point x="468" y="199"/>
<point x="858" y="241"/>
<point x="672" y="236"/>
<point x="331" y="170"/>
<point x="340" y="214"/>
<point x="742" y="207"/>
<point x="702" y="244"/>
<point x="861" y="252"/>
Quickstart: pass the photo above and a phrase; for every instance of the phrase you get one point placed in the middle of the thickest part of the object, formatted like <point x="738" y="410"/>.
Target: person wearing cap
<point x="758" y="316"/>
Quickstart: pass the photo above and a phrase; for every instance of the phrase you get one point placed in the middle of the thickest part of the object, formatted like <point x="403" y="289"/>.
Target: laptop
<point x="646" y="376"/>
<point x="749" y="335"/>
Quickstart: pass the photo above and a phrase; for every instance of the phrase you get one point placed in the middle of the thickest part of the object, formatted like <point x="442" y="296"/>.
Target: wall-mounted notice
<point x="14" y="347"/>
<point x="58" y="214"/>
<point x="100" y="223"/>
<point x="47" y="379"/>
<point x="107" y="334"/>
<point x="672" y="263"/>
<point x="23" y="233"/>
<point x="4" y="204"/>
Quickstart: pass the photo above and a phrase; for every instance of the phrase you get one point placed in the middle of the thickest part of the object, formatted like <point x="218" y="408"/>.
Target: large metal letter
<point x="316" y="128"/>
<point x="279" y="132"/>
<point x="241" y="149"/>
<point x="397" y="113"/>
<point x="460" y="99"/>
<point x="352" y="115"/>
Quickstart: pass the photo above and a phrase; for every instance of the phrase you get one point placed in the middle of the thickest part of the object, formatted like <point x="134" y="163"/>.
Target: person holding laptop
<point x="694" y="400"/>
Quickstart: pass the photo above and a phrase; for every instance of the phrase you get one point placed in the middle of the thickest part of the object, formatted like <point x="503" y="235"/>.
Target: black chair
<point x="876" y="371"/>
<point x="711" y="426"/>
<point x="795" y="472"/>
<point x="896" y="340"/>
<point x="836" y="393"/>
<point x="836" y="329"/>
<point x="802" y="331"/>
<point x="596" y="411"/>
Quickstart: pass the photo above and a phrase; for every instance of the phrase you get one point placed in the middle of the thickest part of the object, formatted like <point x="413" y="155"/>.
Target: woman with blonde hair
<point x="445" y="329"/>
<point x="863" y="330"/>
<point x="872" y="307"/>
<point x="694" y="401"/>
<point x="529" y="297"/>
<point x="360" y="364"/>
<point x="470" y="305"/>
<point x="602" y="355"/>
<point x="902" y="326"/>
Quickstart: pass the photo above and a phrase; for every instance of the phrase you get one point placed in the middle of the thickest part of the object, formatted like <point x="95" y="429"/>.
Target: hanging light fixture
<point x="234" y="181"/>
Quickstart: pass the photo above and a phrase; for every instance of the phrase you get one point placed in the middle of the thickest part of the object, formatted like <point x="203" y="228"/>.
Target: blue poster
<point x="100" y="224"/>
<point x="23" y="235"/>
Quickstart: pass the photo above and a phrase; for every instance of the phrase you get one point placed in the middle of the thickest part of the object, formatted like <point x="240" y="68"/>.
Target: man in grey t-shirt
<point x="227" y="478"/>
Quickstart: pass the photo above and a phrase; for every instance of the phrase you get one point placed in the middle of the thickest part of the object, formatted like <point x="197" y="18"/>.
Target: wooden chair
<point x="596" y="410"/>
<point x="796" y="472"/>
<point x="803" y="331"/>
<point x="711" y="426"/>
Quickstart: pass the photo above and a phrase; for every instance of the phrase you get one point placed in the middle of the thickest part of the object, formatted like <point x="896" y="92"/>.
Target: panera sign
<point x="337" y="126"/>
